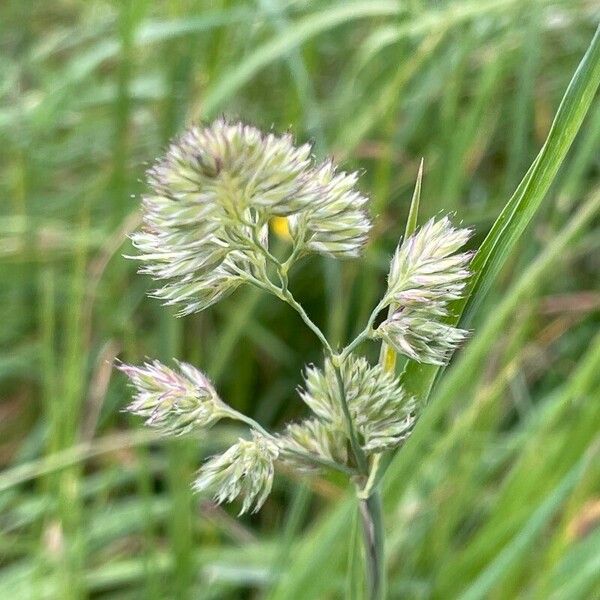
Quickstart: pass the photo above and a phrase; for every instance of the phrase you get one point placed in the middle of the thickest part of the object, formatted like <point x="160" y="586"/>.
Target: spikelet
<point x="174" y="402"/>
<point x="337" y="225"/>
<point x="426" y="274"/>
<point x="417" y="333"/>
<point x="314" y="437"/>
<point x="426" y="267"/>
<point x="245" y="470"/>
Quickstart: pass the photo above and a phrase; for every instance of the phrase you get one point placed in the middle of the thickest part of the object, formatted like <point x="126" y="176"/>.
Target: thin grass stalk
<point x="371" y="514"/>
<point x="370" y="506"/>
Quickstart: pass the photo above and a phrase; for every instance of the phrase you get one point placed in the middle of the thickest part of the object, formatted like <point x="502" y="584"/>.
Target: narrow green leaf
<point x="413" y="213"/>
<point x="521" y="208"/>
<point x="387" y="355"/>
<point x="524" y="203"/>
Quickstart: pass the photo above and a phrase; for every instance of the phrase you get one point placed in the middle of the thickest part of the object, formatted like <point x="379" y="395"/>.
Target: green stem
<point x="359" y="455"/>
<point x="297" y="252"/>
<point x="315" y="460"/>
<point x="369" y="498"/>
<point x="284" y="294"/>
<point x="371" y="514"/>
<point x="287" y="296"/>
<point x="366" y="332"/>
<point x="238" y="416"/>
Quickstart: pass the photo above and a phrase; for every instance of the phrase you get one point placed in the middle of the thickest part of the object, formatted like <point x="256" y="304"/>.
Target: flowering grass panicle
<point x="205" y="233"/>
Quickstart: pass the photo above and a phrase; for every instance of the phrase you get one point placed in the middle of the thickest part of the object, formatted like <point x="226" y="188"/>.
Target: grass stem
<point x="371" y="514"/>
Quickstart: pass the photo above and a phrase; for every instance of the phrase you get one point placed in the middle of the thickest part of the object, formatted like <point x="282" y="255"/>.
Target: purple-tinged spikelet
<point x="173" y="402"/>
<point x="426" y="274"/>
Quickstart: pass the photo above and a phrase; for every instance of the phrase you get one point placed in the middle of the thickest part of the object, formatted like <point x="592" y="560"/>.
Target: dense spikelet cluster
<point x="382" y="414"/>
<point x="426" y="274"/>
<point x="245" y="470"/>
<point x="387" y="419"/>
<point x="174" y="402"/>
<point x="315" y="438"/>
<point x="206" y="217"/>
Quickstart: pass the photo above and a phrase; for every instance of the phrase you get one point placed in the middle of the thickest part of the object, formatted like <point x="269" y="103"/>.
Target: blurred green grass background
<point x="498" y="494"/>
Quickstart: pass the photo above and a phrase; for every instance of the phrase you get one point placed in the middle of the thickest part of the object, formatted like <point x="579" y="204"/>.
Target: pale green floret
<point x="415" y="332"/>
<point x="245" y="470"/>
<point x="337" y="226"/>
<point x="425" y="267"/>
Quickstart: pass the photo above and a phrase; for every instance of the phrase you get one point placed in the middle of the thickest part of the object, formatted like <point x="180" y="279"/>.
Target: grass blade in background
<point x="281" y="44"/>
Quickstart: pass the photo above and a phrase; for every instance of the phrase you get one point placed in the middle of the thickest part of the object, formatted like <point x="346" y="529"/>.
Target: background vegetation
<point x="497" y="495"/>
